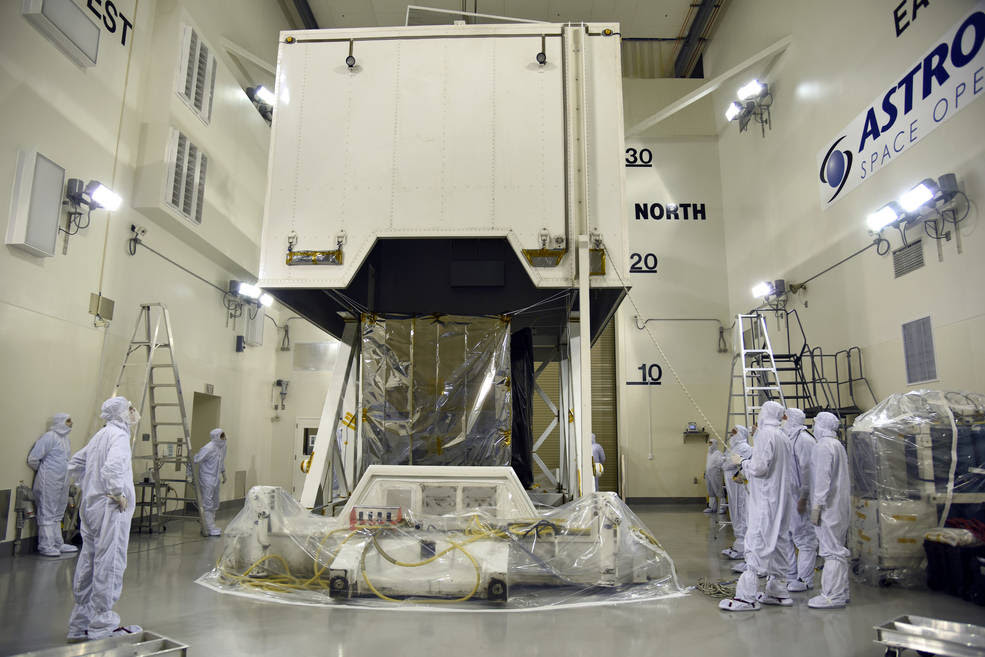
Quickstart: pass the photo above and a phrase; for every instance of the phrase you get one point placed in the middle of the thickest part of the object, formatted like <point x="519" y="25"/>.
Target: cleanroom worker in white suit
<point x="801" y="575"/>
<point x="49" y="458"/>
<point x="738" y="443"/>
<point x="713" y="479"/>
<point x="598" y="457"/>
<point x="769" y="516"/>
<point x="104" y="470"/>
<point x="211" y="462"/>
<point x="830" y="508"/>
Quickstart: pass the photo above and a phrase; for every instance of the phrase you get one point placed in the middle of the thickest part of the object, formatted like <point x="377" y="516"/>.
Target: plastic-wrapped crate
<point x="916" y="459"/>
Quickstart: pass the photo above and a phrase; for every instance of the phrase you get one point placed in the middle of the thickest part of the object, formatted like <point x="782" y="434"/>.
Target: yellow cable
<point x="454" y="546"/>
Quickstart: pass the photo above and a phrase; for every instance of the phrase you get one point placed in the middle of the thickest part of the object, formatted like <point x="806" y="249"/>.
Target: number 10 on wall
<point x="650" y="375"/>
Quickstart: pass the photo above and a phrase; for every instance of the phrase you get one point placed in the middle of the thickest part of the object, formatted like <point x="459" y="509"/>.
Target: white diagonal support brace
<point x="324" y="443"/>
<point x="543" y="466"/>
<point x="547" y="400"/>
<point x="547" y="432"/>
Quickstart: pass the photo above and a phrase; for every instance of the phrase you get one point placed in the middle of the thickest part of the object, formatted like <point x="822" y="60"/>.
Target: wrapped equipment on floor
<point x="440" y="537"/>
<point x="917" y="459"/>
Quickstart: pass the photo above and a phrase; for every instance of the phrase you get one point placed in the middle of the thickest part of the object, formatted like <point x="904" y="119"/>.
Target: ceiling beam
<point x="692" y="42"/>
<point x="307" y="16"/>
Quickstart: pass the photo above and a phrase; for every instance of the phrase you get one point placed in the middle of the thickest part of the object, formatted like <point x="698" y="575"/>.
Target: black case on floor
<point x="956" y="570"/>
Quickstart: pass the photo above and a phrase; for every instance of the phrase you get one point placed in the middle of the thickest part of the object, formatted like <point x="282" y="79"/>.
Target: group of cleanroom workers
<point x="103" y="471"/>
<point x="788" y="499"/>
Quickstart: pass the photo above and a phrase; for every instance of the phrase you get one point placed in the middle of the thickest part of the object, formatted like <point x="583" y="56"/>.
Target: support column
<point x="585" y="349"/>
<point x="329" y="424"/>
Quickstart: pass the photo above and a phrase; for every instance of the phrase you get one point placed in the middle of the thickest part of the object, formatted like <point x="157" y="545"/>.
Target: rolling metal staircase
<point x="805" y="376"/>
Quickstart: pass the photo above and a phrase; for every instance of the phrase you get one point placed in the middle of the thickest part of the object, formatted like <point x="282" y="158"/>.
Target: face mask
<point x="134" y="416"/>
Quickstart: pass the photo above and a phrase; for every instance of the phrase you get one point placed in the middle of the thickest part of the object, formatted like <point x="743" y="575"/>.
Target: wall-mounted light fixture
<point x="263" y="99"/>
<point x="934" y="203"/>
<point x="754" y="103"/>
<point x="928" y="200"/>
<point x="775" y="289"/>
<point x="94" y="196"/>
<point x="242" y="293"/>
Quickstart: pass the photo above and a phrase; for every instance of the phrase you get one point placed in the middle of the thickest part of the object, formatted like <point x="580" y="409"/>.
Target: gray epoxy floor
<point x="160" y="594"/>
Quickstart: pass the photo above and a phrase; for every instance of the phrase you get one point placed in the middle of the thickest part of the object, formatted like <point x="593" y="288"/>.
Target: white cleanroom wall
<point x="843" y="55"/>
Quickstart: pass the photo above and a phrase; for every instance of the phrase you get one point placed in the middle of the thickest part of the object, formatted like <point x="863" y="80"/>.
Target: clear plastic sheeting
<point x="917" y="459"/>
<point x="593" y="550"/>
<point x="436" y="391"/>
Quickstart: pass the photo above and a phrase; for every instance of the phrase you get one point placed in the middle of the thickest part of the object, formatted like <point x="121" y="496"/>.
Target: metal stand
<point x="170" y="436"/>
<point x="760" y="381"/>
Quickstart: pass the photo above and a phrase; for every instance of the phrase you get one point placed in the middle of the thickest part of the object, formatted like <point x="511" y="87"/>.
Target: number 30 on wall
<point x="639" y="158"/>
<point x="650" y="375"/>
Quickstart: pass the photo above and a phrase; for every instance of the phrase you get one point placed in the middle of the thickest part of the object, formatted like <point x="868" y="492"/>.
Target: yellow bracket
<point x="544" y="257"/>
<point x="306" y="464"/>
<point x="314" y="257"/>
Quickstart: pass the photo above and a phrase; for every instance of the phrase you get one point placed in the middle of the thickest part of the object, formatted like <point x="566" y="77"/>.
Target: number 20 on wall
<point x="642" y="263"/>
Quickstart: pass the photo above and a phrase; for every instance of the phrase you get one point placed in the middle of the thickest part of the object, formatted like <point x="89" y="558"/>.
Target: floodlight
<point x="732" y="111"/>
<point x="102" y="196"/>
<point x="884" y="216"/>
<point x="247" y="290"/>
<point x="762" y="289"/>
<point x="265" y="95"/>
<point x="917" y="196"/>
<point x="266" y="300"/>
<point x="752" y="89"/>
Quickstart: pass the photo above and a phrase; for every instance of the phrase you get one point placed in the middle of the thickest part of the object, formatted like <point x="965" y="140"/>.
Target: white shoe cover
<point x="824" y="602"/>
<point x="732" y="554"/>
<point x="798" y="585"/>
<point x="68" y="549"/>
<point x="762" y="598"/>
<point x="708" y="510"/>
<point x="732" y="604"/>
<point x="739" y="567"/>
<point x="215" y="531"/>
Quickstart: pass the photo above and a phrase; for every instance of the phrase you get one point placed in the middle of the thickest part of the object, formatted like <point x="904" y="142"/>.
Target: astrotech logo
<point x="835" y="168"/>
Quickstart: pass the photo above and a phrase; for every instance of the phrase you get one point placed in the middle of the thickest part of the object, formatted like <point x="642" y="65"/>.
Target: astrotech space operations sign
<point x="948" y="78"/>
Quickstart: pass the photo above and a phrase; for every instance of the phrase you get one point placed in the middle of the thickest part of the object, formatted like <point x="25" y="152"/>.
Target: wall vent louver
<point x="196" y="79"/>
<point x="908" y="258"/>
<point x="186" y="176"/>
<point x="918" y="351"/>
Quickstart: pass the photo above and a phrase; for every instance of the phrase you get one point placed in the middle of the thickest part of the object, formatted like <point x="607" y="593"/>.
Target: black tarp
<point x="522" y="388"/>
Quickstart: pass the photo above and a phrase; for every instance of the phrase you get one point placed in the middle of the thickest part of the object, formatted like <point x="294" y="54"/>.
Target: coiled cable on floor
<point x="718" y="590"/>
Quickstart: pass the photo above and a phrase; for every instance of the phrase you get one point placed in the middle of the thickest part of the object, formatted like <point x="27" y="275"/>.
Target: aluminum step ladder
<point x="172" y="469"/>
<point x="755" y="366"/>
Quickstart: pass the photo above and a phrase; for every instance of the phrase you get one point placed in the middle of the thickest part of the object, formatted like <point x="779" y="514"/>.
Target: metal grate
<point x="918" y="351"/>
<point x="186" y="181"/>
<point x="196" y="84"/>
<point x="908" y="258"/>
